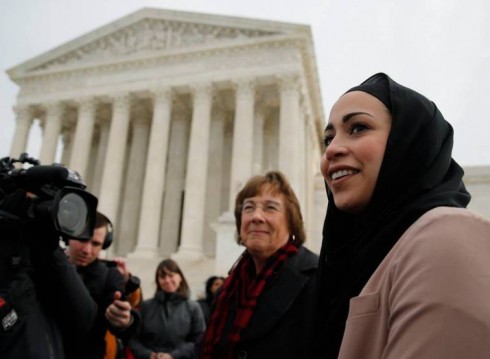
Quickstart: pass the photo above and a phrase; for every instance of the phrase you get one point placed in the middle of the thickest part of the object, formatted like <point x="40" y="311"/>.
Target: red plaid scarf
<point x="238" y="284"/>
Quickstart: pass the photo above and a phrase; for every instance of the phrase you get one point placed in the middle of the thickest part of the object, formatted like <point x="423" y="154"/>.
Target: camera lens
<point x="72" y="214"/>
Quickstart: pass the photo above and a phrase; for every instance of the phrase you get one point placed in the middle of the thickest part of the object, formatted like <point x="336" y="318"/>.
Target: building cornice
<point x="143" y="59"/>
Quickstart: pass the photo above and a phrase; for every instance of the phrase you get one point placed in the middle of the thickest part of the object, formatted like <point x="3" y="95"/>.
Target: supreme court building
<point x="166" y="115"/>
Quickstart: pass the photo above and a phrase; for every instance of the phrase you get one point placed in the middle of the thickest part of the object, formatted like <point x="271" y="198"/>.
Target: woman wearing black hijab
<point x="397" y="237"/>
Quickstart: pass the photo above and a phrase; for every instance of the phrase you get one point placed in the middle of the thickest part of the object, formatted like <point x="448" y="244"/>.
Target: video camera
<point x="58" y="195"/>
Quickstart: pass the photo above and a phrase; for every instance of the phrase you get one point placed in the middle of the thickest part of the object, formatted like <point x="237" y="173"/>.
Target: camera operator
<point x="106" y="285"/>
<point x="42" y="299"/>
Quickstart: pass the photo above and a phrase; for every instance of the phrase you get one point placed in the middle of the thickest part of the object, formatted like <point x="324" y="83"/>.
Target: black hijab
<point x="417" y="174"/>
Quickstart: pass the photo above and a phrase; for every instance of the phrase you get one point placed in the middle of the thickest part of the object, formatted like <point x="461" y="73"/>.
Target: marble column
<point x="197" y="165"/>
<point x="52" y="129"/>
<point x="149" y="220"/>
<point x="215" y="181"/>
<point x="175" y="179"/>
<point x="301" y="166"/>
<point x="243" y="141"/>
<point x="114" y="161"/>
<point x="258" y="159"/>
<point x="83" y="136"/>
<point x="133" y="190"/>
<point x="67" y="138"/>
<point x="90" y="172"/>
<point x="310" y="185"/>
<point x="288" y="129"/>
<point x="102" y="139"/>
<point x="227" y="249"/>
<point x="22" y="128"/>
<point x="226" y="175"/>
<point x="271" y="146"/>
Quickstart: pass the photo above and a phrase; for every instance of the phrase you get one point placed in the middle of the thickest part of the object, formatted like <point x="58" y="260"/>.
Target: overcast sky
<point x="440" y="48"/>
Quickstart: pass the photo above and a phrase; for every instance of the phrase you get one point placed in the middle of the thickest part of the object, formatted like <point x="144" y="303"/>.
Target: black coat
<point x="44" y="302"/>
<point x="102" y="282"/>
<point x="281" y="322"/>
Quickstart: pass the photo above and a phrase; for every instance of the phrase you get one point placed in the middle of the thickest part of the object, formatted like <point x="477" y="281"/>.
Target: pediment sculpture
<point x="151" y="35"/>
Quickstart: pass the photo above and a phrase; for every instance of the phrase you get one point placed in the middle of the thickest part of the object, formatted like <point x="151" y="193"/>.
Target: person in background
<point x="106" y="286"/>
<point x="404" y="264"/>
<point x="171" y="323"/>
<point x="262" y="309"/>
<point x="213" y="283"/>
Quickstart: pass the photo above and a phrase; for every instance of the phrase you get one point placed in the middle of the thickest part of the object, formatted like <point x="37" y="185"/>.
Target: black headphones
<point x="109" y="235"/>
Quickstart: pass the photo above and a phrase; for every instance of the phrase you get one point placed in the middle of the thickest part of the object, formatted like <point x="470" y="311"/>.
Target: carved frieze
<point x="151" y="35"/>
<point x="252" y="56"/>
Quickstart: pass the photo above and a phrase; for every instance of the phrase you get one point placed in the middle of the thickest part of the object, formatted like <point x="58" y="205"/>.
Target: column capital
<point x="22" y="111"/>
<point x="23" y="115"/>
<point x="244" y="88"/>
<point x="289" y="82"/>
<point x="54" y="108"/>
<point x="244" y="83"/>
<point x="162" y="94"/>
<point x="201" y="90"/>
<point x="121" y="100"/>
<point x="88" y="102"/>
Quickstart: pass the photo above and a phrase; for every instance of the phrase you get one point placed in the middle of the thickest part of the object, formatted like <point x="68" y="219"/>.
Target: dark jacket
<point x="44" y="301"/>
<point x="280" y="324"/>
<point x="102" y="282"/>
<point x="206" y="306"/>
<point x="170" y="324"/>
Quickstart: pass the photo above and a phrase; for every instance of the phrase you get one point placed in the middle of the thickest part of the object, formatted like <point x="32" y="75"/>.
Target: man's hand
<point x="160" y="355"/>
<point x="119" y="312"/>
<point x="122" y="268"/>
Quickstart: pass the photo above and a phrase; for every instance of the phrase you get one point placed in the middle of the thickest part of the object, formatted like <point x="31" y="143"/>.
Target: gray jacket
<point x="170" y="324"/>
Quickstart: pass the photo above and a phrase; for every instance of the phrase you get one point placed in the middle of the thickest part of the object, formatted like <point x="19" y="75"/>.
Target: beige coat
<point x="430" y="297"/>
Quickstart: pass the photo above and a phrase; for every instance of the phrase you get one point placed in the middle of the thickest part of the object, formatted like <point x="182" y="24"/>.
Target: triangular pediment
<point x="153" y="31"/>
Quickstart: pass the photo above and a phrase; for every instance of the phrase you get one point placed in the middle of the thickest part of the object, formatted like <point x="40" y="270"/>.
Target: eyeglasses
<point x="270" y="207"/>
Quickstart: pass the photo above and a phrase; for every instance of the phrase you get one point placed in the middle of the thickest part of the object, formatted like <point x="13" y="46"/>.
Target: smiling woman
<point x="171" y="323"/>
<point x="262" y="310"/>
<point x="355" y="142"/>
<point x="404" y="265"/>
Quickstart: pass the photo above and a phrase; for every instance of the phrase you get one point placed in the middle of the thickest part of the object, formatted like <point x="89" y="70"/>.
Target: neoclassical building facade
<point x="166" y="114"/>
